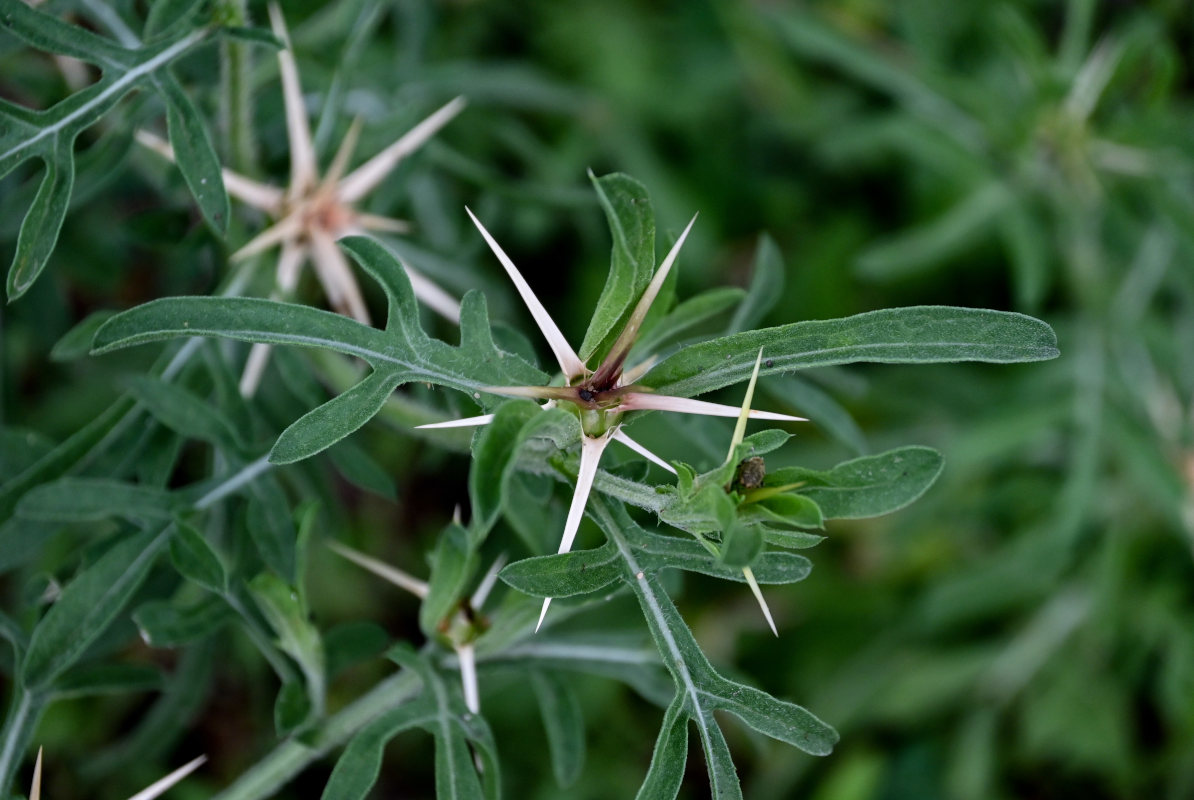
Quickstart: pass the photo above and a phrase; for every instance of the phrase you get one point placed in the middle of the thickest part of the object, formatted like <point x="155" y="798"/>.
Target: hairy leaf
<point x="92" y="499"/>
<point x="401" y="353"/>
<point x="565" y="726"/>
<point x="88" y="605"/>
<point x="632" y="224"/>
<point x="50" y="134"/>
<point x="915" y="335"/>
<point x="867" y="486"/>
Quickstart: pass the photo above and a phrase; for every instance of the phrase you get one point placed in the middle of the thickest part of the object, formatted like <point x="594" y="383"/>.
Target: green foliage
<point x="50" y="134"/>
<point x="1021" y="628"/>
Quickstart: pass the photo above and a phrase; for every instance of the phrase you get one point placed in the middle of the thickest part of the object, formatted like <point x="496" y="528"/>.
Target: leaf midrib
<point x="117" y="87"/>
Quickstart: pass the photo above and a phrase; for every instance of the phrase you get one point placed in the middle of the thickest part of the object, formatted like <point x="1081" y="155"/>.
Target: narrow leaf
<point x="765" y="290"/>
<point x="166" y="624"/>
<point x="76" y="342"/>
<point x="868" y="486"/>
<point x="271" y="526"/>
<point x="670" y="756"/>
<point x="195" y="559"/>
<point x="88" y="605"/>
<point x="564" y="574"/>
<point x="493" y="453"/>
<point x="194" y="153"/>
<point x="322" y="427"/>
<point x="93" y="499"/>
<point x="453" y="563"/>
<point x="357" y="768"/>
<point x="915" y="335"/>
<point x="564" y="723"/>
<point x="39" y="231"/>
<point x="632" y="225"/>
<point x="185" y="413"/>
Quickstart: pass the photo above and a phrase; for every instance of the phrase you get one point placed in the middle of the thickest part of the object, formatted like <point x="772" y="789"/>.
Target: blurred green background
<point x="1025" y="630"/>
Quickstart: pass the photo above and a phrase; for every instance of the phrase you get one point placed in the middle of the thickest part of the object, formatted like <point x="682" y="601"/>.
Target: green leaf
<point x="292" y="707"/>
<point x="766" y="287"/>
<point x="689" y="314"/>
<point x="564" y="723"/>
<point x="494" y="450"/>
<point x="797" y="511"/>
<point x="50" y="134"/>
<point x="867" y="486"/>
<point x="741" y="544"/>
<point x="361" y="470"/>
<point x="185" y="413"/>
<point x="88" y="605"/>
<point x="915" y="335"/>
<point x="165" y="15"/>
<point x="658" y="552"/>
<point x="194" y="153"/>
<point x="326" y="425"/>
<point x="564" y="574"/>
<point x="271" y="526"/>
<point x="627" y="208"/>
<point x="299" y="639"/>
<point x="167" y="624"/>
<point x="401" y="353"/>
<point x="94" y="499"/>
<point x="670" y="756"/>
<point x="62" y="457"/>
<point x="702" y="688"/>
<point x="455" y="775"/>
<point x="949" y="235"/>
<point x="453" y="563"/>
<point x="359" y="765"/>
<point x="39" y="231"/>
<point x="96" y="679"/>
<point x="195" y="559"/>
<point x="76" y="343"/>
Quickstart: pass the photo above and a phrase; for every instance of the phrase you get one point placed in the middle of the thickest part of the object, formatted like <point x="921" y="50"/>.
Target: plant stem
<point x="236" y="107"/>
<point x="23" y="717"/>
<point x="288" y="759"/>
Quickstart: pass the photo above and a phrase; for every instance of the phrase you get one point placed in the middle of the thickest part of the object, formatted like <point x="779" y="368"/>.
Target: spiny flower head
<point x="313" y="211"/>
<point x="601" y="396"/>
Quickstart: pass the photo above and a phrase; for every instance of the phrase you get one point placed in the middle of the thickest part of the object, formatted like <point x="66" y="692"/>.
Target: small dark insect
<point x="586" y="395"/>
<point x="751" y="472"/>
<point x="769" y="363"/>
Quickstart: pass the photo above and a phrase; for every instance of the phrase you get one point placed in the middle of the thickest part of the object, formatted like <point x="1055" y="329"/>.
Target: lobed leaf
<point x="50" y="134"/>
<point x="400" y="354"/>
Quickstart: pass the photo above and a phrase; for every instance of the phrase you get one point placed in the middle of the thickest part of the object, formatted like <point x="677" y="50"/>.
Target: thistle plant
<point x="600" y="397"/>
<point x="313" y="211"/>
<point x="174" y="548"/>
